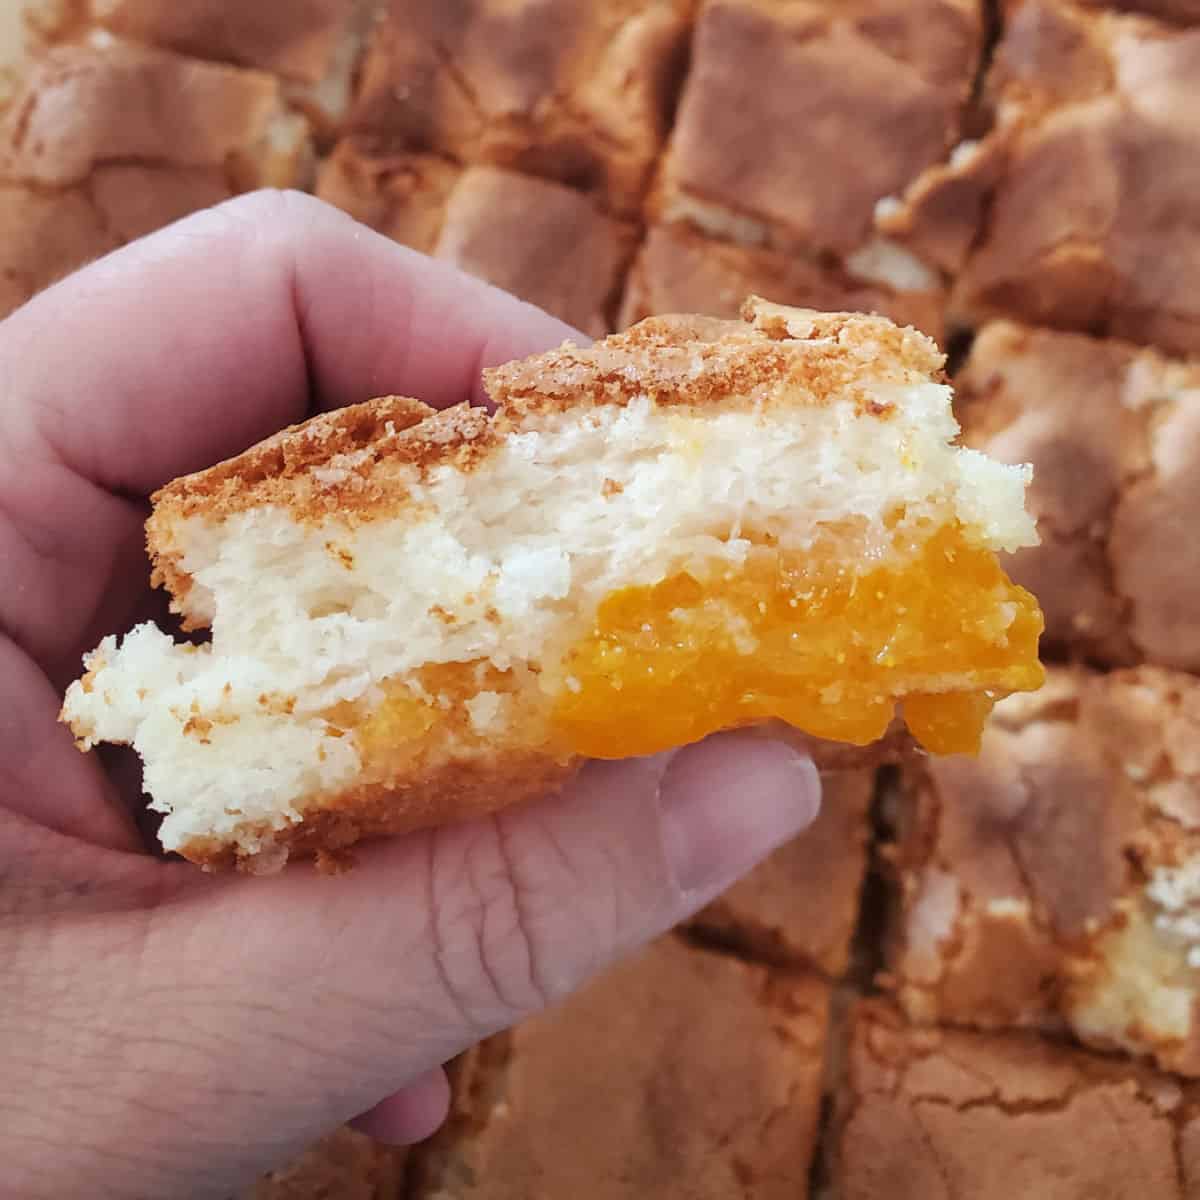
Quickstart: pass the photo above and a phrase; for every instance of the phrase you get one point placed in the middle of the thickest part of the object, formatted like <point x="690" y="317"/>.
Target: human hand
<point x="164" y="1032"/>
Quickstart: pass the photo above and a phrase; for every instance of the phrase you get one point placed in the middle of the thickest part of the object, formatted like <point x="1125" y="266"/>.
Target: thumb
<point x="368" y="981"/>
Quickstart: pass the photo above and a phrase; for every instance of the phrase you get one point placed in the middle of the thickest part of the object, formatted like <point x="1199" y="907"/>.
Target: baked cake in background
<point x="104" y="140"/>
<point x="570" y="260"/>
<point x="940" y="1113"/>
<point x="1113" y="433"/>
<point x="680" y="1073"/>
<point x="1092" y="223"/>
<point x="798" y="120"/>
<point x="1054" y="882"/>
<point x="569" y="90"/>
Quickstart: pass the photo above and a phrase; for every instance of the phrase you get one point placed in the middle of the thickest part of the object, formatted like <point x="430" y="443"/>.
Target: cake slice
<point x="698" y="524"/>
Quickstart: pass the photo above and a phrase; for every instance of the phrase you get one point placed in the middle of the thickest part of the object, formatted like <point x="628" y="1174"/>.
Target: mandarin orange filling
<point x="826" y="650"/>
<point x="785" y="636"/>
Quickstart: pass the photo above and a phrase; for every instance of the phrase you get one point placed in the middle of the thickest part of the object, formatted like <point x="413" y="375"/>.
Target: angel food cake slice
<point x="697" y="524"/>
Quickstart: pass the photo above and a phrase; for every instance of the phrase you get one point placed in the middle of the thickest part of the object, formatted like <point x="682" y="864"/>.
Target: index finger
<point x="183" y="349"/>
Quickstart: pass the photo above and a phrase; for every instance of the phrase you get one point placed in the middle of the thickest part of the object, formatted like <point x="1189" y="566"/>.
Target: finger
<point x="42" y="775"/>
<point x="190" y="344"/>
<point x="184" y="348"/>
<point x="313" y="999"/>
<point x="411" y="1114"/>
<point x="77" y="556"/>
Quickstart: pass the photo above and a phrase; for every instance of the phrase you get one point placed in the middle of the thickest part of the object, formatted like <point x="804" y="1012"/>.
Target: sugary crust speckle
<point x="702" y="361"/>
<point x="362" y="448"/>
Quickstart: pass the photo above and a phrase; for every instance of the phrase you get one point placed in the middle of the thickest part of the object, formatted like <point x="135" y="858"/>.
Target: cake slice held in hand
<point x="691" y="526"/>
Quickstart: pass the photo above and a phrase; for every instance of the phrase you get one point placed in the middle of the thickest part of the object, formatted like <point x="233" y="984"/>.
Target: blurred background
<point x="974" y="977"/>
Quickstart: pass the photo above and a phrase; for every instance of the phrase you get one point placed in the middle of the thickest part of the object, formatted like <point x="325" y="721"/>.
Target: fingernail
<point x="727" y="802"/>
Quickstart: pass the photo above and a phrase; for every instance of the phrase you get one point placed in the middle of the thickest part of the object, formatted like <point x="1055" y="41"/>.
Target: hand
<point x="164" y="1032"/>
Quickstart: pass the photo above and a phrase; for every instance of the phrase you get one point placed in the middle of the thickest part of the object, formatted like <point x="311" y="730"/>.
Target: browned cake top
<point x="702" y="361"/>
<point x="575" y="91"/>
<point x="679" y="360"/>
<point x="1117" y="573"/>
<point x="295" y="38"/>
<point x="950" y="1112"/>
<point x="84" y="105"/>
<point x="1092" y="225"/>
<point x="847" y="103"/>
<point x="680" y="270"/>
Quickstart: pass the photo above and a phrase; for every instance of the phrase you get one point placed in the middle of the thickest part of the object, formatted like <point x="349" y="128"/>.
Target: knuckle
<point x="270" y="206"/>
<point x="488" y="944"/>
<point x="271" y="216"/>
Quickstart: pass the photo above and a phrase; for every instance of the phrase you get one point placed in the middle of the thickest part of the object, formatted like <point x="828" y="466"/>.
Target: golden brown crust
<point x="799" y="908"/>
<point x="356" y="461"/>
<point x="271" y="470"/>
<point x="720" y="1096"/>
<point x="456" y="791"/>
<point x="45" y="233"/>
<point x="81" y="106"/>
<point x="1117" y="572"/>
<point x="343" y="1165"/>
<point x="403" y="196"/>
<point x="1183" y="12"/>
<point x="574" y="91"/>
<point x="463" y="790"/>
<point x="887" y="79"/>
<point x="939" y="216"/>
<point x="926" y="1113"/>
<point x="549" y="244"/>
<point x="704" y="362"/>
<point x="294" y="39"/>
<point x="1020" y="874"/>
<point x="361" y="448"/>
<point x="105" y="142"/>
<point x="1092" y="224"/>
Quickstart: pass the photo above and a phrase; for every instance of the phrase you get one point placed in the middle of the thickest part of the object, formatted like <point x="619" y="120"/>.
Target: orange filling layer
<point x="785" y="636"/>
<point x="826" y="650"/>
